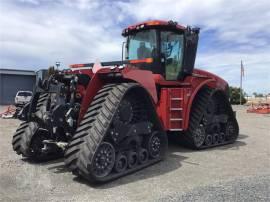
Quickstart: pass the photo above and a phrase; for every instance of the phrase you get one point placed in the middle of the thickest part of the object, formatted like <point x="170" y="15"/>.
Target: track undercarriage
<point x="113" y="140"/>
<point x="212" y="121"/>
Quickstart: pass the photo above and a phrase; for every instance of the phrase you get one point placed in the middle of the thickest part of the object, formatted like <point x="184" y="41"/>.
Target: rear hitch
<point x="51" y="146"/>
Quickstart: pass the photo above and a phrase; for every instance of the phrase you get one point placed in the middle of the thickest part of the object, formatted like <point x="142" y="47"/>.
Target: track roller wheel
<point x="103" y="161"/>
<point x="221" y="137"/>
<point x="208" y="140"/>
<point x="121" y="163"/>
<point x="215" y="138"/>
<point x="132" y="159"/>
<point x="143" y="156"/>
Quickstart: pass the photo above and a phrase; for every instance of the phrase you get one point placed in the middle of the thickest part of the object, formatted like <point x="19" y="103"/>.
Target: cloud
<point x="233" y="20"/>
<point x="36" y="33"/>
<point x="227" y="65"/>
<point x="46" y="33"/>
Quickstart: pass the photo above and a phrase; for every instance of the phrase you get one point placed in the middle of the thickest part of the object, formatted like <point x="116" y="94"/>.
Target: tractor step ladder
<point x="176" y="109"/>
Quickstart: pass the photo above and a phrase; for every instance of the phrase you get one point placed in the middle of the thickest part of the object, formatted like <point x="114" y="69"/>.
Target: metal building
<point x="12" y="80"/>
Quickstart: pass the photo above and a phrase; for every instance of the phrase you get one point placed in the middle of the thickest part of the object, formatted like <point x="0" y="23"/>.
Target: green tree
<point x="235" y="95"/>
<point x="258" y="94"/>
<point x="52" y="70"/>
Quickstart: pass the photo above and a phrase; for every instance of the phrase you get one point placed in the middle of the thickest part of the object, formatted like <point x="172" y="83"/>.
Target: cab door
<point x="171" y="48"/>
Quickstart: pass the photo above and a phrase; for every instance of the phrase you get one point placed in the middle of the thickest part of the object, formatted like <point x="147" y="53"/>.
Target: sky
<point x="35" y="34"/>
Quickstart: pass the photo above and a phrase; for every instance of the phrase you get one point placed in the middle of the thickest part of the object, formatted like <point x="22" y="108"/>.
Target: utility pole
<point x="57" y="64"/>
<point x="241" y="76"/>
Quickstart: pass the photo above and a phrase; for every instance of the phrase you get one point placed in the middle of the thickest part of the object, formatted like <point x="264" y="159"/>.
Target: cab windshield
<point x="165" y="47"/>
<point x="142" y="45"/>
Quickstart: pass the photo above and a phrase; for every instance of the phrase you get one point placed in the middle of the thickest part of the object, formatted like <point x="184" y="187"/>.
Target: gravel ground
<point x="236" y="172"/>
<point x="246" y="189"/>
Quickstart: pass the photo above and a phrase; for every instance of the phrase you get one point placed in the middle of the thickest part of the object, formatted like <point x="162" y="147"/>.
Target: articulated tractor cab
<point x="109" y="119"/>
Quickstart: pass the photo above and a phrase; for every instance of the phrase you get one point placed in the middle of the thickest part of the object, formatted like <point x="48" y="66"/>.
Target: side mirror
<point x="124" y="50"/>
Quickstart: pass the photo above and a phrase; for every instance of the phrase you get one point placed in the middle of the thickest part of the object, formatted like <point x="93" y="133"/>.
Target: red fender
<point x="93" y="87"/>
<point x="144" y="78"/>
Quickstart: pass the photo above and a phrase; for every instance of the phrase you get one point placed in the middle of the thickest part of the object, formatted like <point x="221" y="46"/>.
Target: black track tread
<point x="25" y="144"/>
<point x="76" y="142"/>
<point x="41" y="105"/>
<point x="79" y="135"/>
<point x="89" y="116"/>
<point x="82" y="147"/>
<point x="16" y="139"/>
<point x="26" y="138"/>
<point x="197" y="110"/>
<point x="88" y="119"/>
<point x="102" y="95"/>
<point x="43" y="95"/>
<point x="83" y="127"/>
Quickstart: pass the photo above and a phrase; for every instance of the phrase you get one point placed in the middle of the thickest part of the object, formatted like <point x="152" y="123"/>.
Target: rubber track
<point x="92" y="130"/>
<point x="16" y="139"/>
<point x="198" y="109"/>
<point x="26" y="138"/>
<point x="25" y="144"/>
<point x="20" y="140"/>
<point x="41" y="105"/>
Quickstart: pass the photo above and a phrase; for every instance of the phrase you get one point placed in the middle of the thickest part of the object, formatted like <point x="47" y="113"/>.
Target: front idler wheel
<point x="199" y="136"/>
<point x="154" y="145"/>
<point x="103" y="161"/>
<point x="121" y="163"/>
<point x="231" y="131"/>
<point x="125" y="112"/>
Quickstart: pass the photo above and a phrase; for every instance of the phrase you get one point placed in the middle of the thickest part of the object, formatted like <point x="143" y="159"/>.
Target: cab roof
<point x="152" y="23"/>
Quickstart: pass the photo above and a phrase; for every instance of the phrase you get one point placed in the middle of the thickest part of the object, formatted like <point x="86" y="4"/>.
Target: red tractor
<point x="113" y="118"/>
